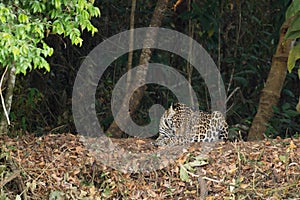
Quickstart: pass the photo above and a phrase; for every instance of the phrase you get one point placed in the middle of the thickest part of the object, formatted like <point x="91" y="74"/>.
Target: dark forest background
<point x="241" y="36"/>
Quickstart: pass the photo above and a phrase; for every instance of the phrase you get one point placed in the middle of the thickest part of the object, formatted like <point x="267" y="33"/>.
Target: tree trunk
<point x="8" y="100"/>
<point x="271" y="93"/>
<point x="157" y="17"/>
<point x="131" y="42"/>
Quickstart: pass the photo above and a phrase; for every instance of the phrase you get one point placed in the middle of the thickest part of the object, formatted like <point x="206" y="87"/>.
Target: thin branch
<point x="1" y="95"/>
<point x="189" y="66"/>
<point x="232" y="93"/>
<point x="190" y="173"/>
<point x="213" y="180"/>
<point x="131" y="42"/>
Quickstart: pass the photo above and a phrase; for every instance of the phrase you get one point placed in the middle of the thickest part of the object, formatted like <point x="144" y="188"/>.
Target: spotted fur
<point x="181" y="124"/>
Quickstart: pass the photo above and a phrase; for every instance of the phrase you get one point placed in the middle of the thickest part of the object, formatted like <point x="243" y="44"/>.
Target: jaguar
<point x="181" y="124"/>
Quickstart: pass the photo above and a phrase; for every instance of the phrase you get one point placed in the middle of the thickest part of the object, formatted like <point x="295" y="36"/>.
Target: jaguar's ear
<point x="171" y="107"/>
<point x="171" y="110"/>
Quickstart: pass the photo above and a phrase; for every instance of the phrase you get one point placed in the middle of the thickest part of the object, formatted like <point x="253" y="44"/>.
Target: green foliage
<point x="285" y="121"/>
<point x="27" y="106"/>
<point x="189" y="167"/>
<point x="24" y="25"/>
<point x="293" y="32"/>
<point x="293" y="10"/>
<point x="294" y="55"/>
<point x="248" y="38"/>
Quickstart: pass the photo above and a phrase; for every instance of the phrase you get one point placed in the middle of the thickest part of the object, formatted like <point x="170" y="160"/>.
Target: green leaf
<point x="94" y="11"/>
<point x="24" y="49"/>
<point x="53" y="14"/>
<point x="39" y="30"/>
<point x="184" y="176"/>
<point x="94" y="30"/>
<point x="81" y="4"/>
<point x="292" y="113"/>
<point x="276" y="109"/>
<point x="3" y="19"/>
<point x="23" y="18"/>
<point x="85" y="14"/>
<point x="5" y="35"/>
<point x="199" y="161"/>
<point x="241" y="80"/>
<point x="97" y="12"/>
<point x="50" y="51"/>
<point x="292" y="35"/>
<point x="47" y="67"/>
<point x="294" y="55"/>
<point x="36" y="62"/>
<point x="22" y="67"/>
<point x="77" y="41"/>
<point x="36" y="6"/>
<point x="286" y="106"/>
<point x="57" y="4"/>
<point x="22" y="29"/>
<point x="16" y="52"/>
<point x="293" y="9"/>
<point x="284" y="159"/>
<point x="294" y="27"/>
<point x="58" y="27"/>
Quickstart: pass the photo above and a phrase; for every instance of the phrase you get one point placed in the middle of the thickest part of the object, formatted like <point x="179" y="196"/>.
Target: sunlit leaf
<point x="294" y="55"/>
<point x="15" y="51"/>
<point x="22" y="30"/>
<point x="293" y="9"/>
<point x="78" y="41"/>
<point x="36" y="6"/>
<point x="293" y="35"/>
<point x="294" y="29"/>
<point x="50" y="53"/>
<point x="47" y="67"/>
<point x="184" y="176"/>
<point x="81" y="4"/>
<point x="24" y="49"/>
<point x="5" y="35"/>
<point x="284" y="159"/>
<point x="94" y="30"/>
<point x="23" y="18"/>
<point x="57" y="4"/>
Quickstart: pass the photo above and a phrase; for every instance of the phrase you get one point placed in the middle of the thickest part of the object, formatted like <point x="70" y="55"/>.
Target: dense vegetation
<point x="241" y="36"/>
<point x="44" y="43"/>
